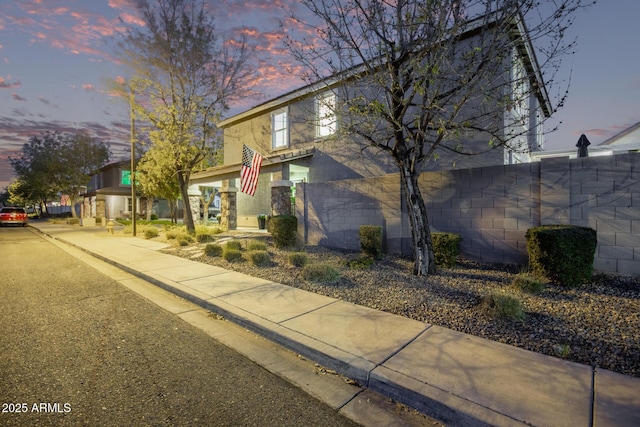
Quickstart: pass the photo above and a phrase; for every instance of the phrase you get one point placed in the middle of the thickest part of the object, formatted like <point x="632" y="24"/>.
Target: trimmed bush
<point x="259" y="258"/>
<point x="150" y="232"/>
<point x="213" y="249"/>
<point x="528" y="283"/>
<point x="445" y="248"/>
<point x="232" y="255"/>
<point x="298" y="259"/>
<point x="283" y="230"/>
<point x="504" y="305"/>
<point x="562" y="253"/>
<point x="371" y="240"/>
<point x="256" y="245"/>
<point x="323" y="273"/>
<point x="234" y="244"/>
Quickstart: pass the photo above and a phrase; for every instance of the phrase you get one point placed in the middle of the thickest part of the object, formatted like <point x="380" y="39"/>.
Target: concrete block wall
<point x="331" y="213"/>
<point x="605" y="195"/>
<point x="490" y="207"/>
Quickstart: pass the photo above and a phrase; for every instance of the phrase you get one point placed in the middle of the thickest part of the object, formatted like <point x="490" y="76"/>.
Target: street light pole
<point x="133" y="167"/>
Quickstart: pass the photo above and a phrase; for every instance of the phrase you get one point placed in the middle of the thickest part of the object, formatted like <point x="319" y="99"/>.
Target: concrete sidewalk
<point x="458" y="378"/>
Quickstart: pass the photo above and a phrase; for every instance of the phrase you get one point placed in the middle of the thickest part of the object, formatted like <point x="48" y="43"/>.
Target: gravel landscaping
<point x="596" y="324"/>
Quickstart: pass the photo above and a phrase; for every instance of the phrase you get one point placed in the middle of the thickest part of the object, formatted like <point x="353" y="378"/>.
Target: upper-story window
<point x="280" y="129"/>
<point x="326" y="114"/>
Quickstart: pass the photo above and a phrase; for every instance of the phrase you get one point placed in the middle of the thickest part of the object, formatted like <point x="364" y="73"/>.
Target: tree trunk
<point x="424" y="260"/>
<point x="187" y="217"/>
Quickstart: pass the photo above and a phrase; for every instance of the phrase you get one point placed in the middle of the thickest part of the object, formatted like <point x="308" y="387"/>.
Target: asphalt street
<point x="79" y="348"/>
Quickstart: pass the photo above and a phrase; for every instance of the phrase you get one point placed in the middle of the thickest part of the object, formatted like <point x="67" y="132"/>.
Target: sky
<point x="56" y="57"/>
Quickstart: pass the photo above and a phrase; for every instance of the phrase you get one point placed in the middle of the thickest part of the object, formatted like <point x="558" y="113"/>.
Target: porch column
<point x="228" y="207"/>
<point x="281" y="197"/>
<point x="194" y="201"/>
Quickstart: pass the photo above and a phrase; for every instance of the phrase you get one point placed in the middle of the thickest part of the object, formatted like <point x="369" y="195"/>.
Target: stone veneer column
<point x="281" y="197"/>
<point x="228" y="208"/>
<point x="194" y="201"/>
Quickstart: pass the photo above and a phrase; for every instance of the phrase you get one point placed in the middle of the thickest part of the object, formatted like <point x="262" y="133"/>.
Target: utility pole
<point x="133" y="167"/>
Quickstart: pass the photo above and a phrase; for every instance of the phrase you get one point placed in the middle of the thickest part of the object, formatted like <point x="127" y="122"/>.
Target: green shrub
<point x="204" y="238"/>
<point x="562" y="253"/>
<point x="298" y="259"/>
<point x="504" y="305"/>
<point x="154" y="217"/>
<point x="362" y="262"/>
<point x="173" y="233"/>
<point x="234" y="244"/>
<point x="323" y="273"/>
<point x="217" y="230"/>
<point x="527" y="282"/>
<point x="184" y="239"/>
<point x="232" y="255"/>
<point x="283" y="230"/>
<point x="259" y="258"/>
<point x="371" y="240"/>
<point x="150" y="232"/>
<point x="256" y="245"/>
<point x="213" y="249"/>
<point x="445" y="248"/>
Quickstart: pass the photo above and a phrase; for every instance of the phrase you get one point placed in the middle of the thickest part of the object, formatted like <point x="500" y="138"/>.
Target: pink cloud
<point x="89" y="87"/>
<point x="4" y="84"/>
<point x="17" y="97"/>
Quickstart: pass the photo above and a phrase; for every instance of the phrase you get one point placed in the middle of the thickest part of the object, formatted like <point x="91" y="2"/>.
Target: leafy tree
<point x="80" y="157"/>
<point x="184" y="76"/>
<point x="411" y="85"/>
<point x="36" y="168"/>
<point x="54" y="163"/>
<point x="157" y="177"/>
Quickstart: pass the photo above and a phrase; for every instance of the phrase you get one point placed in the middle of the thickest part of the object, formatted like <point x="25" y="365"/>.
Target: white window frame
<point x="280" y="129"/>
<point x="326" y="120"/>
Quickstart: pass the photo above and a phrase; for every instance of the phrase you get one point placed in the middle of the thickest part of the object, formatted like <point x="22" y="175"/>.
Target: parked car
<point x="10" y="215"/>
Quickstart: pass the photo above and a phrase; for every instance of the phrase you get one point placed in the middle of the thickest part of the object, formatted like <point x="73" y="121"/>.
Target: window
<point x="280" y="129"/>
<point x="326" y="114"/>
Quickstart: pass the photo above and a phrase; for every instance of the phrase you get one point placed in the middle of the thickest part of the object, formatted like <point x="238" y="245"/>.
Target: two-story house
<point x="294" y="132"/>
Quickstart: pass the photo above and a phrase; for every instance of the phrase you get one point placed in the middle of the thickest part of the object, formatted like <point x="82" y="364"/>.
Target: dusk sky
<point x="57" y="55"/>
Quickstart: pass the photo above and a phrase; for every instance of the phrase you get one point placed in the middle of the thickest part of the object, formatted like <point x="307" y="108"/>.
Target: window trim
<point x="325" y="130"/>
<point x="284" y="130"/>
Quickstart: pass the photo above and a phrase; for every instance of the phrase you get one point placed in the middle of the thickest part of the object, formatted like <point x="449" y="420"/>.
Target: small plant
<point x="561" y="350"/>
<point x="234" y="244"/>
<point x="283" y="230"/>
<point x="231" y="255"/>
<point x="184" y="239"/>
<point x="323" y="273"/>
<point x="528" y="282"/>
<point x="259" y="258"/>
<point x="204" y="238"/>
<point x="150" y="232"/>
<point x="213" y="249"/>
<point x="445" y="248"/>
<point x="371" y="240"/>
<point x="362" y="262"/>
<point x="173" y="233"/>
<point x="298" y="259"/>
<point x="504" y="305"/>
<point x="256" y="245"/>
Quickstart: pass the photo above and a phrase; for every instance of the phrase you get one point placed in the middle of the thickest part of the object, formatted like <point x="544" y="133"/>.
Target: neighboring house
<point x="294" y="134"/>
<point x="108" y="194"/>
<point x="627" y="141"/>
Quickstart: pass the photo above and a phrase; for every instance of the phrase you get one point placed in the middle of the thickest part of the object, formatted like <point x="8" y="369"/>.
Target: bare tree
<point x="419" y="79"/>
<point x="184" y="77"/>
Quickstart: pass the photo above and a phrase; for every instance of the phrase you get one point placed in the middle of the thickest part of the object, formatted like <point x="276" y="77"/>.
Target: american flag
<point x="251" y="162"/>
